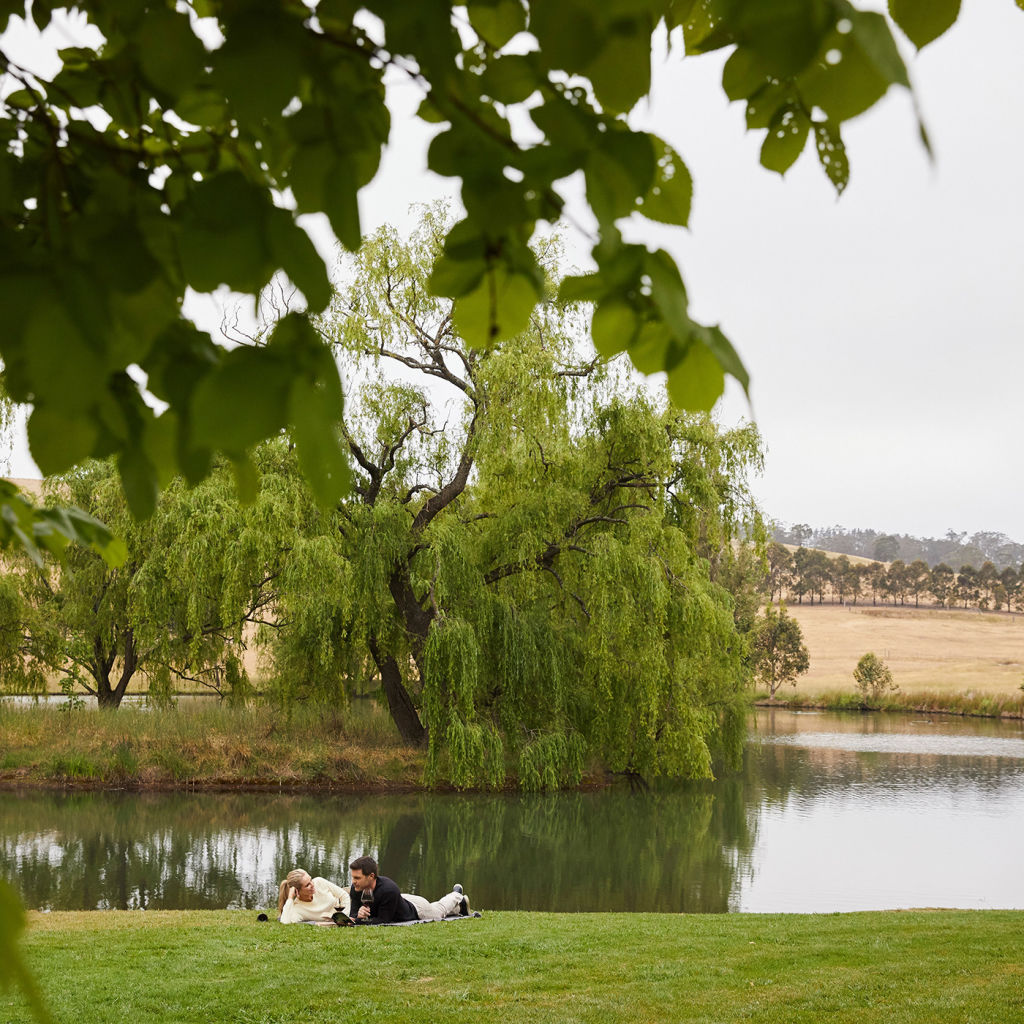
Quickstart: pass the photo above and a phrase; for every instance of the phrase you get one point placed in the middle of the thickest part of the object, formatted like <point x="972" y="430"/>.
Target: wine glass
<point x="366" y="897"/>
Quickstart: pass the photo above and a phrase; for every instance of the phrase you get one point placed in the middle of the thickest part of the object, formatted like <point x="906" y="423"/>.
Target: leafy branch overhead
<point x="178" y="151"/>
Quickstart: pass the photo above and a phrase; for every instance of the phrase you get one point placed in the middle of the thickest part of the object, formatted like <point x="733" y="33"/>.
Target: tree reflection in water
<point x="676" y="850"/>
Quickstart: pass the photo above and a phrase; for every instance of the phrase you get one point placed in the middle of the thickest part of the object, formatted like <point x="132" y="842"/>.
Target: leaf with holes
<point x="671" y="194"/>
<point x="832" y="153"/>
<point x="785" y="140"/>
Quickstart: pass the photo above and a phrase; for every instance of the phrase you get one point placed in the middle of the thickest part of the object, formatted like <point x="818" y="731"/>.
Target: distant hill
<point x="955" y="549"/>
<point x="27" y="484"/>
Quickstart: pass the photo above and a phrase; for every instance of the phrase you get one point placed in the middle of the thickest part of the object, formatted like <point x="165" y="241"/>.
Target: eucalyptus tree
<point x="200" y="575"/>
<point x="522" y="557"/>
<point x="778" y="651"/>
<point x="917" y="579"/>
<point x="780" y="570"/>
<point x="942" y="584"/>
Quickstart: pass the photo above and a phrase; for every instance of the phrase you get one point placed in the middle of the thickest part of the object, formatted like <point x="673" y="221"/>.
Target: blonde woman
<point x="305" y="900"/>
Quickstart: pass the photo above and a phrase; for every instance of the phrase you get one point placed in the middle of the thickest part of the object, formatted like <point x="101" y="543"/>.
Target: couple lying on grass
<point x="305" y="900"/>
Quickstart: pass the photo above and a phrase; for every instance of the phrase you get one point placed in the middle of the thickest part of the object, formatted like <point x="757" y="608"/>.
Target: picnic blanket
<point x="387" y="924"/>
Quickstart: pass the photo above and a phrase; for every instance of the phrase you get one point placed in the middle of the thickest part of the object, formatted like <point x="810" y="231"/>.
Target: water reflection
<point x="677" y="851"/>
<point x="823" y="817"/>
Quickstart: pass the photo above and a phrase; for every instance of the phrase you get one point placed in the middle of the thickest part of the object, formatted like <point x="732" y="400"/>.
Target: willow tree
<point x="199" y="577"/>
<point x="516" y="561"/>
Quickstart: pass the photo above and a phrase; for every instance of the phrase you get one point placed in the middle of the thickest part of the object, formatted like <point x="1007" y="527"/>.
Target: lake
<point x="831" y="812"/>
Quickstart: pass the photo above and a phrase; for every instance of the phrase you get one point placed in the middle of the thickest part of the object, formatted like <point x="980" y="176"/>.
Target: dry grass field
<point x="941" y="651"/>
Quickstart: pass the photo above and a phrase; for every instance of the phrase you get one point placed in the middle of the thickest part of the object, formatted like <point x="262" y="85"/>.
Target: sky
<point x="881" y="329"/>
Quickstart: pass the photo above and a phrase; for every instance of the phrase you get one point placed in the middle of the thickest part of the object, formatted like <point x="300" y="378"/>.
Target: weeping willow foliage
<point x="535" y="552"/>
<point x="199" y="584"/>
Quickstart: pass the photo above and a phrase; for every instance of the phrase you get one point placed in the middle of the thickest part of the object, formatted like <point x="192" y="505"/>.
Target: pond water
<point x="831" y="812"/>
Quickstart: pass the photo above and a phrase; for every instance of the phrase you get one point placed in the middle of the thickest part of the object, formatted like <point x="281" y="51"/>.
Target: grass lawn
<point x="222" y="966"/>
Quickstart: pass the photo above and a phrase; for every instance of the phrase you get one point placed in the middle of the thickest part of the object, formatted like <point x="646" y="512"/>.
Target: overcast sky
<point x="881" y="330"/>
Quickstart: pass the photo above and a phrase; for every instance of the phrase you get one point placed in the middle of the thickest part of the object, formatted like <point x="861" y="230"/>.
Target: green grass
<point x="221" y="966"/>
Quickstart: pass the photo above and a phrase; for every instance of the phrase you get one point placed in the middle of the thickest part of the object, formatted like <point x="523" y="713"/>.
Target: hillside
<point x="944" y="651"/>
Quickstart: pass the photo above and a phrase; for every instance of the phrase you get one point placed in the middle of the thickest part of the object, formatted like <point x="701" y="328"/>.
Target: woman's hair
<point x="295" y="878"/>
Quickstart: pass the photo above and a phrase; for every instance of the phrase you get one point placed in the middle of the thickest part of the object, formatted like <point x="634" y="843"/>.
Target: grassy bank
<point x="601" y="968"/>
<point x="981" y="705"/>
<point x="213" y="746"/>
<point x="205" y="746"/>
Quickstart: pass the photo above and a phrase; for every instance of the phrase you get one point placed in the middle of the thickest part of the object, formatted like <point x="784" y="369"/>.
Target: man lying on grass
<point x="382" y="903"/>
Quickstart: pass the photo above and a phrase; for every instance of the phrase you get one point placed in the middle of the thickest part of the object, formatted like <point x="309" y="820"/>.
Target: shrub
<point x="874" y="678"/>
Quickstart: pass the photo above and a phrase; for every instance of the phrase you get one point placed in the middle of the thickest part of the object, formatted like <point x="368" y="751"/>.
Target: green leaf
<point x="138" y="481"/>
<point x="292" y="249"/>
<point x="63" y="368"/>
<point x="650" y="351"/>
<point x="428" y="111"/>
<point x="784" y="34"/>
<point x="743" y="74"/>
<point x="701" y="28"/>
<point x="621" y="70"/>
<point x="496" y="21"/>
<point x="70" y="524"/>
<point x="669" y="293"/>
<point x="787" y="135"/>
<point x="832" y="153"/>
<point x="671" y="194"/>
<point x="222" y="236"/>
<point x="567" y="33"/>
<point x="512" y="78"/>
<point x="697" y="381"/>
<point x="247" y="479"/>
<point x="342" y="206"/>
<point x="872" y="34"/>
<point x="169" y="53"/>
<point x="582" y="288"/>
<point x="763" y="104"/>
<point x="720" y="346"/>
<point x="243" y="401"/>
<point x="21" y="99"/>
<point x="12" y="968"/>
<point x="614" y="328"/>
<point x="315" y="411"/>
<point x="59" y="437"/>
<point x="925" y="20"/>
<point x="260" y="66"/>
<point x="498" y="308"/>
<point x="455" y="277"/>
<point x="857" y="69"/>
<point x="619" y="170"/>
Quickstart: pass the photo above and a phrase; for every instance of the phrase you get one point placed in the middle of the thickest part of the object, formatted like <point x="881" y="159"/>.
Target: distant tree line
<point x="815" y="576"/>
<point x="953" y="549"/>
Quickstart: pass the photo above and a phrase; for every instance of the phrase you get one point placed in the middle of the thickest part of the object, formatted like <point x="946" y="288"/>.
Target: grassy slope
<point x="222" y="966"/>
<point x="928" y="650"/>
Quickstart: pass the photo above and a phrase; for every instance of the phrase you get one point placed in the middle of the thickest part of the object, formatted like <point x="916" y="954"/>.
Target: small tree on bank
<point x="874" y="678"/>
<point x="779" y="652"/>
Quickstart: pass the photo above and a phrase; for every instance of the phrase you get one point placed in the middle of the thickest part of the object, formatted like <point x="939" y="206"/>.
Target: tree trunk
<point x="403" y="712"/>
<point x="109" y="697"/>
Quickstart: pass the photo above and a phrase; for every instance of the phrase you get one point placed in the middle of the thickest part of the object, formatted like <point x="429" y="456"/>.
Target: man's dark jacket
<point x="387" y="905"/>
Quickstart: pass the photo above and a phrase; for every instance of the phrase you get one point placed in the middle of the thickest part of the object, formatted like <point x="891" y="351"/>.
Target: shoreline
<point x="85" y="760"/>
<point x="1004" y="707"/>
